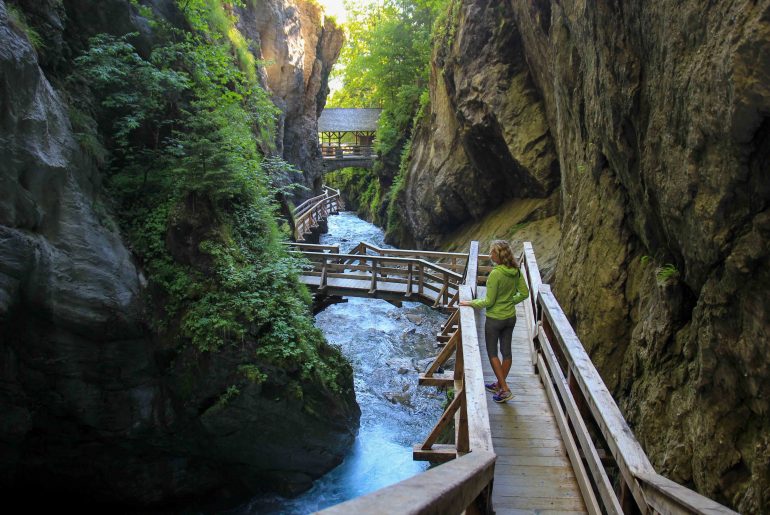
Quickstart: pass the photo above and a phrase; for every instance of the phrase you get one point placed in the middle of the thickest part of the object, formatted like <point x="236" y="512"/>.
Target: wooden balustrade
<point x="586" y="413"/>
<point x="310" y="213"/>
<point x="614" y="474"/>
<point x="412" y="273"/>
<point x="465" y="482"/>
<point x="347" y="151"/>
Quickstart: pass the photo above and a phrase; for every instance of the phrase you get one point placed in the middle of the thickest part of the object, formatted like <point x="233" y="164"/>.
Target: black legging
<point x="499" y="330"/>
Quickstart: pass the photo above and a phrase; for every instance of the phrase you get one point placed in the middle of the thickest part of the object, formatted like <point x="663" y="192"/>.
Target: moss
<point x="19" y="21"/>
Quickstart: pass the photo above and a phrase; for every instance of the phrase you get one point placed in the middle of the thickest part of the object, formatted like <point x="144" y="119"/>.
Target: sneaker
<point x="491" y="387"/>
<point x="502" y="396"/>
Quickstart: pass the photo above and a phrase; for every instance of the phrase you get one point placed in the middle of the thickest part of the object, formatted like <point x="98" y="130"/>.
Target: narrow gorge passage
<point x="387" y="347"/>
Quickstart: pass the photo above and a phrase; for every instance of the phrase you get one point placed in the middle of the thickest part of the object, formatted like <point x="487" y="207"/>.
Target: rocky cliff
<point x="298" y="46"/>
<point x="651" y="118"/>
<point x="484" y="137"/>
<point x="96" y="406"/>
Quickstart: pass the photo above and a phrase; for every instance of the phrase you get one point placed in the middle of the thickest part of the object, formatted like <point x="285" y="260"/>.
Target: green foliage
<point x="644" y="260"/>
<point x="666" y="273"/>
<point x="193" y="193"/>
<point x="19" y="21"/>
<point x="386" y="63"/>
<point x="229" y="394"/>
<point x="253" y="373"/>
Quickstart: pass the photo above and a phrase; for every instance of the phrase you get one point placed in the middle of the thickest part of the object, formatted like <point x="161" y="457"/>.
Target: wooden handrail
<point x="466" y="480"/>
<point x="448" y="488"/>
<point x="404" y="261"/>
<point x="308" y="214"/>
<point x="578" y="394"/>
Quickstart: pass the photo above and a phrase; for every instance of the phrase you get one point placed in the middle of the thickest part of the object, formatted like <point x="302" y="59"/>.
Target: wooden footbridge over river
<point x="560" y="446"/>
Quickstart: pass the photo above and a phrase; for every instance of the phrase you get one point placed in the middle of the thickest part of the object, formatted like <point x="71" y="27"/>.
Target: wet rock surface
<point x="484" y="139"/>
<point x="299" y="47"/>
<point x="96" y="407"/>
<point x="656" y="114"/>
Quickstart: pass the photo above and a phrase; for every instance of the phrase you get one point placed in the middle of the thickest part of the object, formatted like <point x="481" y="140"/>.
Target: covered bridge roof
<point x="343" y="119"/>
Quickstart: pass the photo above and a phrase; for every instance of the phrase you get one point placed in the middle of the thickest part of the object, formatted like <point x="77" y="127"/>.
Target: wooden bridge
<point x="560" y="446"/>
<point x="312" y="213"/>
<point x="357" y="127"/>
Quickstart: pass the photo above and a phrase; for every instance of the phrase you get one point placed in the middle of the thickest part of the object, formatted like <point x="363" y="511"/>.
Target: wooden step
<point x="439" y="453"/>
<point x="447" y="378"/>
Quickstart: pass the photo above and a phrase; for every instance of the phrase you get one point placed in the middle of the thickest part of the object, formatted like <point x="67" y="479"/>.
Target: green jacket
<point x="505" y="289"/>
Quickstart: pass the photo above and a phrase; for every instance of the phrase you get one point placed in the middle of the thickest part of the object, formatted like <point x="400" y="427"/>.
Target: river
<point x="387" y="346"/>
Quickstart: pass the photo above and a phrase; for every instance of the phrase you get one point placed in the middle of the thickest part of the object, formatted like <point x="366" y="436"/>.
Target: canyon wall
<point x="650" y="120"/>
<point x="484" y="137"/>
<point x="298" y="47"/>
<point x="96" y="405"/>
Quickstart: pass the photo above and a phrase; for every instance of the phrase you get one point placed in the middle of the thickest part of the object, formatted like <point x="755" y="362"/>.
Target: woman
<point x="505" y="288"/>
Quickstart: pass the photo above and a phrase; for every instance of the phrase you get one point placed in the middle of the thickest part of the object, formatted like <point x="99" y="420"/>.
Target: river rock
<point x="415" y="319"/>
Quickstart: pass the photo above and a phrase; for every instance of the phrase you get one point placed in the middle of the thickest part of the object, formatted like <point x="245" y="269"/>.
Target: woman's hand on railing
<point x="465" y="303"/>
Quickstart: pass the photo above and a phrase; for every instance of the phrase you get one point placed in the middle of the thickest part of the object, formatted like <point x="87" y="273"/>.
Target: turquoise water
<point x="387" y="346"/>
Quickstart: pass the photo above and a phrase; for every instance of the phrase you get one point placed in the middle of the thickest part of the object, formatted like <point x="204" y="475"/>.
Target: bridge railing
<point x="591" y="422"/>
<point x="465" y="482"/>
<point x="347" y="151"/>
<point x="418" y="277"/>
<point x="455" y="261"/>
<point x="312" y="211"/>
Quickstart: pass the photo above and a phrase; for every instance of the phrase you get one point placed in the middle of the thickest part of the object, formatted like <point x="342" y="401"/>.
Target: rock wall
<point x="95" y="407"/>
<point x="484" y="138"/>
<point x="657" y="113"/>
<point x="299" y="47"/>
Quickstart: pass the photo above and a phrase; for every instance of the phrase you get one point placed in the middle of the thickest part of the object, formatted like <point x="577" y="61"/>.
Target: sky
<point x="334" y="8"/>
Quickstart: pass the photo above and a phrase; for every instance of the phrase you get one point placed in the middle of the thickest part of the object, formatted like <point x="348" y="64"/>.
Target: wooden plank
<point x="606" y="491"/>
<point x="444" y="355"/>
<point x="577" y="463"/>
<point x="670" y="498"/>
<point x="471" y="275"/>
<point x="437" y="453"/>
<point x="444" y="420"/>
<point x="534" y="503"/>
<point x="561" y="472"/>
<point x="541" y="488"/>
<point x="628" y="454"/>
<point x="448" y="488"/>
<point x="556" y="450"/>
<point x="515" y="511"/>
<point x="445" y="379"/>
<point x="532" y="461"/>
<point x="478" y="417"/>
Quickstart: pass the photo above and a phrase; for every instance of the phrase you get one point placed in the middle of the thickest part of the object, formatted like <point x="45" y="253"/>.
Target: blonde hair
<point x="504" y="253"/>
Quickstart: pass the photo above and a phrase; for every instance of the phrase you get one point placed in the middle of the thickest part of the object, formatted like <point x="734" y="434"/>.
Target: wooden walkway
<point x="533" y="473"/>
<point x="534" y="454"/>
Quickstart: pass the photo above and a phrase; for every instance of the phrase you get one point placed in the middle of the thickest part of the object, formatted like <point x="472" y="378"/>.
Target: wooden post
<point x="421" y="283"/>
<point x="322" y="283"/>
<point x="373" y="288"/>
<point x="446" y="289"/>
<point x="409" y="282"/>
<point x="462" y="440"/>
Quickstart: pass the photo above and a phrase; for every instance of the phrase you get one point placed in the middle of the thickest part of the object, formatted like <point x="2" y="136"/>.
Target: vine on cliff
<point x="181" y="127"/>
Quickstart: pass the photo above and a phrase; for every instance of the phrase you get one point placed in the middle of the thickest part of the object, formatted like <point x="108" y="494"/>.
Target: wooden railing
<point x="599" y="442"/>
<point x="465" y="482"/>
<point x="347" y="151"/>
<point x="311" y="212"/>
<point x="455" y="261"/>
<point x="418" y="276"/>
